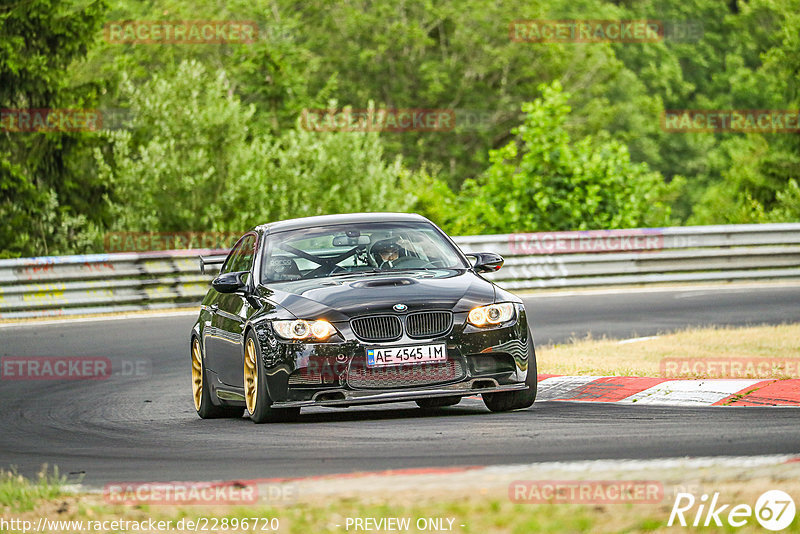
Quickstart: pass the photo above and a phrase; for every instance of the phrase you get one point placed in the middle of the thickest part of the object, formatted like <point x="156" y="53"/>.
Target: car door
<point x="229" y="318"/>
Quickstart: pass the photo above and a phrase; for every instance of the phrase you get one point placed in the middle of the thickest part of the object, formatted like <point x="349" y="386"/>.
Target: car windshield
<point x="356" y="248"/>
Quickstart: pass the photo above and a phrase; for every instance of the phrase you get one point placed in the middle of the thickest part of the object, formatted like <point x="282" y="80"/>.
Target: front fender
<point x="276" y="365"/>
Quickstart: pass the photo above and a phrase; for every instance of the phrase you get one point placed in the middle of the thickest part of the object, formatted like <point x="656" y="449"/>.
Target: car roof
<point x="343" y="218"/>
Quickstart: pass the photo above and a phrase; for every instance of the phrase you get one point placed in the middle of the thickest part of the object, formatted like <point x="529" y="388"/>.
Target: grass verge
<point x="609" y="357"/>
<point x="468" y="502"/>
<point x="18" y="494"/>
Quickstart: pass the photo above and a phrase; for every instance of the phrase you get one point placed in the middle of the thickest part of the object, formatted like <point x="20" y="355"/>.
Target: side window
<point x="241" y="257"/>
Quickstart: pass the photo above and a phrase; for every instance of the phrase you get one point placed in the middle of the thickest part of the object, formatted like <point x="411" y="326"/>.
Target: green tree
<point x="458" y="55"/>
<point x="192" y="161"/>
<point x="50" y="192"/>
<point x="542" y="180"/>
<point x="753" y="176"/>
<point x="274" y="73"/>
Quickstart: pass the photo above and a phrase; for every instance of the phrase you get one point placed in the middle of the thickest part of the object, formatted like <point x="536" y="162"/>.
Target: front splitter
<point x="361" y="397"/>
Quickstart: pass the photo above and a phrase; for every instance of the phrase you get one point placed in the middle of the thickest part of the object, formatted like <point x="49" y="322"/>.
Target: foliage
<point x="20" y="494"/>
<point x="191" y="140"/>
<point x="542" y="180"/>
<point x="214" y="141"/>
<point x="49" y="191"/>
<point x="758" y="173"/>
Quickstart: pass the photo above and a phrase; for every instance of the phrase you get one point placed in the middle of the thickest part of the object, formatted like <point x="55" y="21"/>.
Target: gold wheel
<point x="197" y="374"/>
<point x="250" y="376"/>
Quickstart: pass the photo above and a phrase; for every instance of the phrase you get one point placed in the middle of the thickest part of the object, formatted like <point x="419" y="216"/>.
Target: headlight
<point x="491" y="315"/>
<point x="300" y="329"/>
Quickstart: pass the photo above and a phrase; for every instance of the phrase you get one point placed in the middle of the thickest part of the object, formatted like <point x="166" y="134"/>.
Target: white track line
<point x="636" y="340"/>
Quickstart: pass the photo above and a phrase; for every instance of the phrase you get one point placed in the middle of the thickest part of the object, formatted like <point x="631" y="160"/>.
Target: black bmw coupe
<point x="343" y="310"/>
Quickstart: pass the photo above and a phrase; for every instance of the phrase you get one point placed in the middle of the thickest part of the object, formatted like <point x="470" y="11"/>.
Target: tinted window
<point x="241" y="257"/>
<point x="345" y="249"/>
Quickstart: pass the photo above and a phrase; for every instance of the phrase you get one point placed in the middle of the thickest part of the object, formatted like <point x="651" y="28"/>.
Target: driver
<point x="386" y="253"/>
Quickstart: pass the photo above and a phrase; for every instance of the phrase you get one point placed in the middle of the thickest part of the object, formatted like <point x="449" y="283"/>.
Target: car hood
<point x="343" y="297"/>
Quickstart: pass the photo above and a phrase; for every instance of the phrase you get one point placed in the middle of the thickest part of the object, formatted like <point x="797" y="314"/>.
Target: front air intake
<point x="377" y="327"/>
<point x="428" y="324"/>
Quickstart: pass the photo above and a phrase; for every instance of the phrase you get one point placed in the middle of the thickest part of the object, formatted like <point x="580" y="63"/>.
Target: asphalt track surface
<point x="145" y="428"/>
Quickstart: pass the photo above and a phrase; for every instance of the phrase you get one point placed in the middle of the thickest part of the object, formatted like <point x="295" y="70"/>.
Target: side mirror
<point x="487" y="262"/>
<point x="230" y="282"/>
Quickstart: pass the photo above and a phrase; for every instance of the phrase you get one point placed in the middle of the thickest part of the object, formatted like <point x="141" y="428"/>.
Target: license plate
<point x="379" y="357"/>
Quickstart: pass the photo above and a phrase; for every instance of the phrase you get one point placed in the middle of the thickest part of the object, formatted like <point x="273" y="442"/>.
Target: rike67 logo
<point x="774" y="510"/>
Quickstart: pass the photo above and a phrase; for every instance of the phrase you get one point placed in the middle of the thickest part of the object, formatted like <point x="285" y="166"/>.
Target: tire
<point x="516" y="400"/>
<point x="201" y="391"/>
<point x="438" y="402"/>
<point x="259" y="405"/>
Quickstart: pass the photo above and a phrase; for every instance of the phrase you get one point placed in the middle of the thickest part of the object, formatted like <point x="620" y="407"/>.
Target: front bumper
<point x="332" y="373"/>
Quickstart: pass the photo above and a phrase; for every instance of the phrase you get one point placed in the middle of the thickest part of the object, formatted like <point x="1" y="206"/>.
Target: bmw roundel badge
<point x="400" y="307"/>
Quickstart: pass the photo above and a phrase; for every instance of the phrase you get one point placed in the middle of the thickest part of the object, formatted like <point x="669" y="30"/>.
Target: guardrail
<point x="644" y="255"/>
<point x="99" y="283"/>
